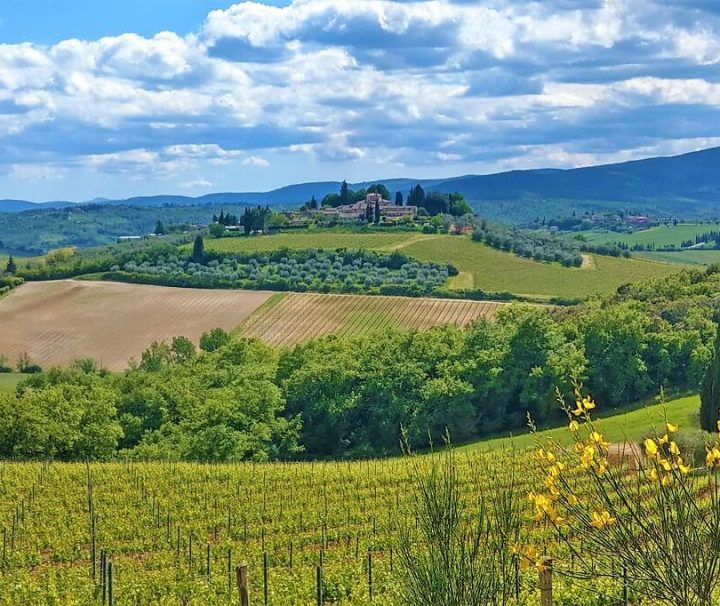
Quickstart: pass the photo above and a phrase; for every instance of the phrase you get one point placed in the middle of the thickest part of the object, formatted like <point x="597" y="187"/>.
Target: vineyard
<point x="311" y="533"/>
<point x="292" y="318"/>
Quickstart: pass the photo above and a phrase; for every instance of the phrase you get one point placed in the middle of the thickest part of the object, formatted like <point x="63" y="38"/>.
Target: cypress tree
<point x="377" y="212"/>
<point x="11" y="267"/>
<point x="398" y="199"/>
<point x="710" y="394"/>
<point x="198" y="249"/>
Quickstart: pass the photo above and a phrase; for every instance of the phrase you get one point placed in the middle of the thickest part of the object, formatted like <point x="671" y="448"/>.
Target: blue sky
<point x="109" y="98"/>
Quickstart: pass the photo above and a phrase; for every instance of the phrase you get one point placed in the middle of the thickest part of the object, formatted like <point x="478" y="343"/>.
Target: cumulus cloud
<point x="495" y="83"/>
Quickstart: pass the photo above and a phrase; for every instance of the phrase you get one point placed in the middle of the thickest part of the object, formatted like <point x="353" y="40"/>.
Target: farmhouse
<point x="358" y="211"/>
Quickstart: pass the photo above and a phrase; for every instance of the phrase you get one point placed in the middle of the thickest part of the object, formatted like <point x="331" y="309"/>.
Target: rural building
<point x="358" y="211"/>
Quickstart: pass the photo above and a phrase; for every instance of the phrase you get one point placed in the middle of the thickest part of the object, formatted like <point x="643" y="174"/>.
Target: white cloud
<point x="255" y="161"/>
<point x="493" y="82"/>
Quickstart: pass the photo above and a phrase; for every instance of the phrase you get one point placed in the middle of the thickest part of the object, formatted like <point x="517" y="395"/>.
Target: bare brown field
<point x="296" y="317"/>
<point x="57" y="322"/>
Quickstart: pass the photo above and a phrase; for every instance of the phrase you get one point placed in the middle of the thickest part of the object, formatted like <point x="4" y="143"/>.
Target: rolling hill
<point x="687" y="185"/>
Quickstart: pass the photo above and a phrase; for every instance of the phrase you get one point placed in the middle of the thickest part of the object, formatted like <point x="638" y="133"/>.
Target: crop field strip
<point x="298" y="317"/>
<point x="326" y="239"/>
<point x="111" y="322"/>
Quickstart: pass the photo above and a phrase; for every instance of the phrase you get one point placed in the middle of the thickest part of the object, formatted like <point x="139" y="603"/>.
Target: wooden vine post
<point x="545" y="574"/>
<point x="242" y="583"/>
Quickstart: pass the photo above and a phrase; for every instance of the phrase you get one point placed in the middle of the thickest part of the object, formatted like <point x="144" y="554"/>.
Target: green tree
<point x="458" y="205"/>
<point x="416" y="197"/>
<point x="710" y="393"/>
<point x="198" y="253"/>
<point x="214" y="340"/>
<point x="379" y="188"/>
<point x="377" y="212"/>
<point x="11" y="266"/>
<point x="399" y="199"/>
<point x="344" y="193"/>
<point x="182" y="350"/>
<point x="160" y="229"/>
<point x="217" y="230"/>
<point x="156" y="357"/>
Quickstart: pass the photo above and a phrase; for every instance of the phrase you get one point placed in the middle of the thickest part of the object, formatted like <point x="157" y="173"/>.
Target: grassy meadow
<point x="8" y="381"/>
<point x="662" y="235"/>
<point x="685" y="257"/>
<point x="481" y="267"/>
<point x="627" y="424"/>
<point x="493" y="270"/>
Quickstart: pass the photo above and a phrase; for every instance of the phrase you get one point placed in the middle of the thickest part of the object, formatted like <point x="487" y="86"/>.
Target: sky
<point x="137" y="97"/>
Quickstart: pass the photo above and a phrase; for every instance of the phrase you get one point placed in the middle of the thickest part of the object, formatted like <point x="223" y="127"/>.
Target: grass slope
<point x="8" y="381"/>
<point x="685" y="257"/>
<point x="627" y="424"/>
<point x="663" y="235"/>
<point x="494" y="270"/>
<point x="327" y="239"/>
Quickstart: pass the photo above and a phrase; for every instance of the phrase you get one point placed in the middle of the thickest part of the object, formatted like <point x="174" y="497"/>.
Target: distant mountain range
<point x="687" y="185"/>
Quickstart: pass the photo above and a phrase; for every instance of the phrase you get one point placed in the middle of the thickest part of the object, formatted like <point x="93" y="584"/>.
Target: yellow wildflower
<point x="574" y="425"/>
<point x="671" y="428"/>
<point x="684" y="469"/>
<point x="664" y="440"/>
<point x="651" y="448"/>
<point x="583" y="406"/>
<point x="674" y="448"/>
<point x="713" y="457"/>
<point x="601" y="519"/>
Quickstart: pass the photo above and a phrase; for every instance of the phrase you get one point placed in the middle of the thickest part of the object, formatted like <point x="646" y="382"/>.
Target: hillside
<point x="481" y="267"/>
<point x="687" y="185"/>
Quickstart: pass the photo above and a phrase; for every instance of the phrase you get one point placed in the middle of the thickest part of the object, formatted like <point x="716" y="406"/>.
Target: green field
<point x="663" y="235"/>
<point x="327" y="239"/>
<point x="8" y="381"/>
<point x="493" y="270"/>
<point x="685" y="257"/>
<point x="480" y="266"/>
<point x="626" y="425"/>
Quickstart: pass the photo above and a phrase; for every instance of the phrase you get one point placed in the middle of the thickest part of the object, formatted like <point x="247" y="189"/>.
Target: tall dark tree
<point x="344" y="193"/>
<point x="377" y="212"/>
<point x="416" y="197"/>
<point x="399" y="199"/>
<point x="710" y="394"/>
<point x="221" y="218"/>
<point x="159" y="229"/>
<point x="369" y="215"/>
<point x="313" y="204"/>
<point x="11" y="266"/>
<point x="198" y="252"/>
